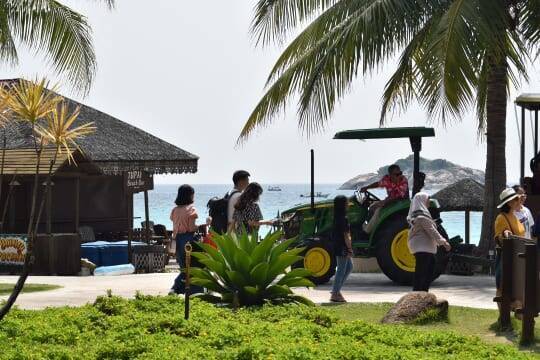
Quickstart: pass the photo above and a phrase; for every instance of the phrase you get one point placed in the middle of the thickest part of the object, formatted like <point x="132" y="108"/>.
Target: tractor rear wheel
<point x="320" y="260"/>
<point x="393" y="255"/>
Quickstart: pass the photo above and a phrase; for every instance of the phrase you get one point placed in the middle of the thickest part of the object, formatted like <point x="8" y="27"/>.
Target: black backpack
<point x="218" y="211"/>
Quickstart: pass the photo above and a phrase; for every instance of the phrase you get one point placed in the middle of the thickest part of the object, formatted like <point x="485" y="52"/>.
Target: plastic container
<point x="92" y="251"/>
<point x="114" y="254"/>
<point x="124" y="269"/>
<point x="104" y="253"/>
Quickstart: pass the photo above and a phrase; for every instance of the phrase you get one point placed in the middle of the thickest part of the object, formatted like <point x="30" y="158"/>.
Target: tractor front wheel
<point x="320" y="260"/>
<point x="393" y="255"/>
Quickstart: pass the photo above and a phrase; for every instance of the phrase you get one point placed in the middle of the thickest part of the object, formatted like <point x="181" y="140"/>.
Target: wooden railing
<point x="520" y="284"/>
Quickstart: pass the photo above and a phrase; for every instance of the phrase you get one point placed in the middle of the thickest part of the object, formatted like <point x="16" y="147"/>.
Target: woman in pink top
<point x="183" y="217"/>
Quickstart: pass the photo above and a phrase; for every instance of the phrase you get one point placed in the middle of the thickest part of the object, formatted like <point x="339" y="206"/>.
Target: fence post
<point x="529" y="299"/>
<point x="506" y="284"/>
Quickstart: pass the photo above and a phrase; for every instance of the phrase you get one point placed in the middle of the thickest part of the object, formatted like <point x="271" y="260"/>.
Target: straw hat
<point x="506" y="196"/>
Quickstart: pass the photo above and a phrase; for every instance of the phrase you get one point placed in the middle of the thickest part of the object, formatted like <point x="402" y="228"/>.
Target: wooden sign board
<point x="136" y="181"/>
<point x="12" y="250"/>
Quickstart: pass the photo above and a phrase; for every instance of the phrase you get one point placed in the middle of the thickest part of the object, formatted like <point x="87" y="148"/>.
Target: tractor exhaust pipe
<point x="312" y="180"/>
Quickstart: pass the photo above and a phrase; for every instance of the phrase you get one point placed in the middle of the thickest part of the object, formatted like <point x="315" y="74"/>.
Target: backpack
<point x="218" y="209"/>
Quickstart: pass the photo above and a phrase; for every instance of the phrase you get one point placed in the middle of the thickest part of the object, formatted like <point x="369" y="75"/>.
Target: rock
<point x="439" y="173"/>
<point x="413" y="306"/>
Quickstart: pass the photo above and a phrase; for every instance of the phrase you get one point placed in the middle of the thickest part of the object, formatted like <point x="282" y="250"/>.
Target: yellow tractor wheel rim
<point x="401" y="255"/>
<point x="317" y="260"/>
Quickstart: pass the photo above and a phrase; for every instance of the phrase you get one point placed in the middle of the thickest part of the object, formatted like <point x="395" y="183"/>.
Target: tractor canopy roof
<point x="386" y="133"/>
<point x="529" y="101"/>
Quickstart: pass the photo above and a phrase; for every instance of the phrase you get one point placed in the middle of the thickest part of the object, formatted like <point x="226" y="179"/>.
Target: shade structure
<point x="463" y="195"/>
<point x="115" y="147"/>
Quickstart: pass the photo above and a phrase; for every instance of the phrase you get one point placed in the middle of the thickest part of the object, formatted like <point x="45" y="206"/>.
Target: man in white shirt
<point x="524" y="214"/>
<point x="240" y="181"/>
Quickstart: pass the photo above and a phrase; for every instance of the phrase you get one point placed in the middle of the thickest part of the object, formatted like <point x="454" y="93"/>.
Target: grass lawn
<point x="154" y="328"/>
<point x="6" y="289"/>
<point x="465" y="321"/>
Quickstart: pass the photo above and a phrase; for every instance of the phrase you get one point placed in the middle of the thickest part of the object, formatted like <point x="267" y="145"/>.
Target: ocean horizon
<point x="161" y="202"/>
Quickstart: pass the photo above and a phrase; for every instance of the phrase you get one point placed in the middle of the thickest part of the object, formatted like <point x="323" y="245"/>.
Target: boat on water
<point x="317" y="195"/>
<point x="274" y="188"/>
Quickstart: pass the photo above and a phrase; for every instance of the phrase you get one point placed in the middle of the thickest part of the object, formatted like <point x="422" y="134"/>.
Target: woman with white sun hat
<point x="506" y="224"/>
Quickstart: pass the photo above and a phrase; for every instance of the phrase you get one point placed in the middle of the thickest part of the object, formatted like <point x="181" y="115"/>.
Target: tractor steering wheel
<point x="365" y="197"/>
<point x="371" y="196"/>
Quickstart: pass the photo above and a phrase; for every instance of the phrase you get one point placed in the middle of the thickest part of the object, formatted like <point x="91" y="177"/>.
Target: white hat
<point x="506" y="196"/>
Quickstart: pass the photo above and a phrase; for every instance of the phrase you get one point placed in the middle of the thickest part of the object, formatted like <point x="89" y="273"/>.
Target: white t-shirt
<point x="232" y="202"/>
<point x="525" y="217"/>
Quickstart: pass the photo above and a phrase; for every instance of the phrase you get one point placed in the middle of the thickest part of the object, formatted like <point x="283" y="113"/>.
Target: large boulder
<point x="414" y="306"/>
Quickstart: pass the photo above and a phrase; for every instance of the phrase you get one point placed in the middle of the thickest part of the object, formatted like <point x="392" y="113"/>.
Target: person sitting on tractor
<point x="397" y="188"/>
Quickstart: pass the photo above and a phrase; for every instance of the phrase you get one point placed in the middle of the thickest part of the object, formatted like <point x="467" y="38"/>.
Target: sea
<point x="161" y="201"/>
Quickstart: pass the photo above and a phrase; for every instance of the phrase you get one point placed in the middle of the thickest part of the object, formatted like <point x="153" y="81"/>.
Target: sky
<point x="190" y="73"/>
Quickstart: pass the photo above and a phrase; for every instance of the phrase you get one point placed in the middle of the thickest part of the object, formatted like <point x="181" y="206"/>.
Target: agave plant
<point x="244" y="271"/>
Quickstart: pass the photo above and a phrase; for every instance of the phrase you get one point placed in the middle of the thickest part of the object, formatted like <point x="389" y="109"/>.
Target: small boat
<point x="317" y="195"/>
<point x="274" y="188"/>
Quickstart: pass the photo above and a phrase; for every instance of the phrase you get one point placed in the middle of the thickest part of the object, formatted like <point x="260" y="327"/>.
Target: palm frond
<point x="60" y="33"/>
<point x="275" y="18"/>
<point x="31" y="101"/>
<point x="322" y="73"/>
<point x="8" y="51"/>
<point x="60" y="132"/>
<point x="529" y="24"/>
<point x="400" y="90"/>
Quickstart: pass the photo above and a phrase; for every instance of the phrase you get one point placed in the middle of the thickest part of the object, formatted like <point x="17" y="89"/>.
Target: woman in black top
<point x="341" y="237"/>
<point x="247" y="214"/>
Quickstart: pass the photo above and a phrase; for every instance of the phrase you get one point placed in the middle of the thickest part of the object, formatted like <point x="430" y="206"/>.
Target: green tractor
<point x="312" y="223"/>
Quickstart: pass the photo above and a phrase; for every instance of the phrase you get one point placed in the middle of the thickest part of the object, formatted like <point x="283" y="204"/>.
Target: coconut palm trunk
<point x="495" y="177"/>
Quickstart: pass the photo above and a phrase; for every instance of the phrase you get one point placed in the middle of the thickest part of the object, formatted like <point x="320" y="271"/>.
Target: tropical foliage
<point x="453" y="56"/>
<point x="53" y="125"/>
<point x="53" y="29"/>
<point x="245" y="272"/>
<point x="154" y="328"/>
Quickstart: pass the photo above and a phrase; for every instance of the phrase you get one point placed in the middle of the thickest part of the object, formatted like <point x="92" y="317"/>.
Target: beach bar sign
<point x="136" y="181"/>
<point x="12" y="249"/>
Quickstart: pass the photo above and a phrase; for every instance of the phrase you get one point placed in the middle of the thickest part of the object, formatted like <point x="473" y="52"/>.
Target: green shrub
<point x="244" y="271"/>
<point x="154" y="328"/>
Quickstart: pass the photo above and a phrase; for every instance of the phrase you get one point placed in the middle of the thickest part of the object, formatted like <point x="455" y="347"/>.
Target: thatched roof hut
<point x="116" y="146"/>
<point x="113" y="163"/>
<point x="464" y="195"/>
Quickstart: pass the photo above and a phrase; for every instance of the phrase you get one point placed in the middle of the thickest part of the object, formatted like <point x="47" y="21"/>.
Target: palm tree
<point x="54" y="30"/>
<point x="454" y="56"/>
<point x="52" y="125"/>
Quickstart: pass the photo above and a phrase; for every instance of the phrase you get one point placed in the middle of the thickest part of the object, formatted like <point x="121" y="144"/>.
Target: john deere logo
<point x="12" y="250"/>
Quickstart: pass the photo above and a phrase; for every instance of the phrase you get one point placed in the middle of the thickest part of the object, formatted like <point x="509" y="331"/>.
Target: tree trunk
<point x="495" y="180"/>
<point x="29" y="258"/>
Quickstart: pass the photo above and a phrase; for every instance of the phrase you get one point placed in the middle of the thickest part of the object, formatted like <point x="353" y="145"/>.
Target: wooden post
<point x="146" y="217"/>
<point x="130" y="227"/>
<point x="467" y="227"/>
<point x="506" y="284"/>
<point x="77" y="204"/>
<point x="529" y="300"/>
<point x="312" y="193"/>
<point x="535" y="132"/>
<point x="49" y="206"/>
<point x="522" y="147"/>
